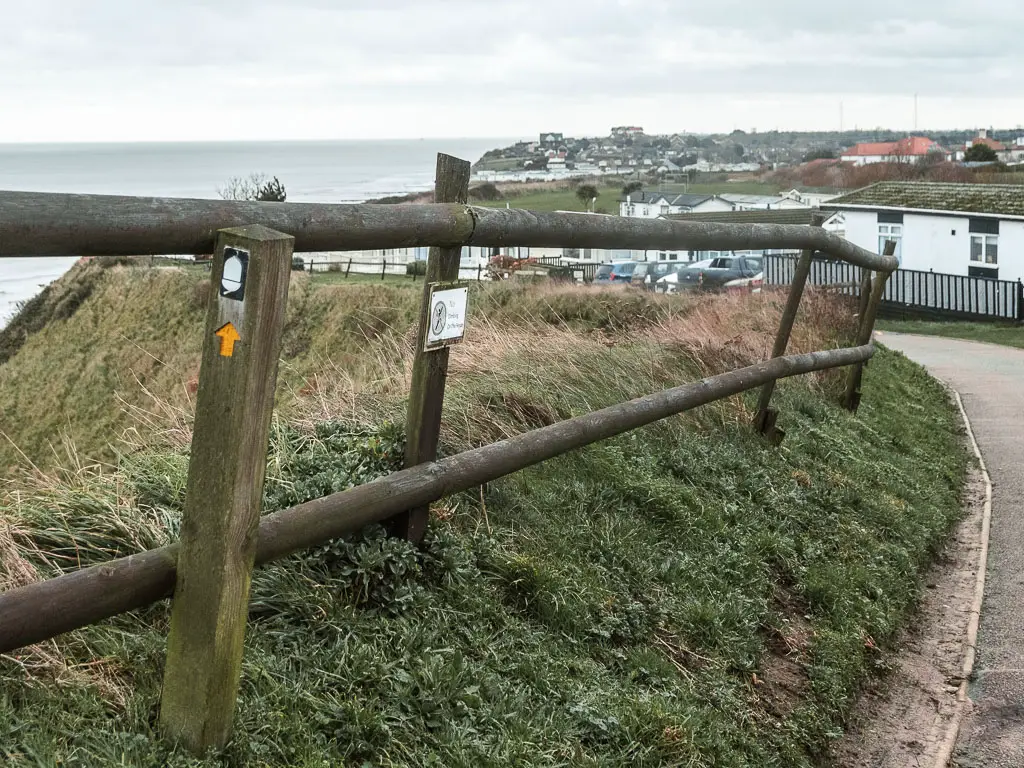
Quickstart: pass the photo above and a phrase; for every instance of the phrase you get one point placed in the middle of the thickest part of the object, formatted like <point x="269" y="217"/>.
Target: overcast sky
<point x="88" y="70"/>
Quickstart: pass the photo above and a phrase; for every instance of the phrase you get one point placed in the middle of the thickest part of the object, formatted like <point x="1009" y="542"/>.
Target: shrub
<point x="417" y="268"/>
<point x="298" y="263"/>
<point x="487" y="191"/>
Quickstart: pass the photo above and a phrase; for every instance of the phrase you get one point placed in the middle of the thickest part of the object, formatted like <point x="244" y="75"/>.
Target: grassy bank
<point x="1007" y="335"/>
<point x="683" y="595"/>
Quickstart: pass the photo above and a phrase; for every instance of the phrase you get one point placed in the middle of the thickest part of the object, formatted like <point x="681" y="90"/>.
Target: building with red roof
<point x="912" y="149"/>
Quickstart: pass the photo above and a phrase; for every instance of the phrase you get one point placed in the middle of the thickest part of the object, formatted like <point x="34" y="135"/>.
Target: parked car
<point x="745" y="284"/>
<point x="723" y="270"/>
<point x="670" y="282"/>
<point x="619" y="272"/>
<point x="648" y="273"/>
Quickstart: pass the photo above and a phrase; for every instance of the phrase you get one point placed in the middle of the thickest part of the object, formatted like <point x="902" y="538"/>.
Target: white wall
<point x="714" y="204"/>
<point x="929" y="242"/>
<point x="1011" y="250"/>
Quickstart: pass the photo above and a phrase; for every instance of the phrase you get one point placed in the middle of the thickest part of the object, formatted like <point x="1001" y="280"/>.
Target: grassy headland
<point x="682" y="595"/>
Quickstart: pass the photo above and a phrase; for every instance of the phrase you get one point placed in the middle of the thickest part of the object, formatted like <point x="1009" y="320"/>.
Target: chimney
<point x="983" y="133"/>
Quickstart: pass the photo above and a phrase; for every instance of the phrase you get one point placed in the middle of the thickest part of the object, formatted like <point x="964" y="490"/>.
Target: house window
<point x="985" y="249"/>
<point x="662" y="256"/>
<point x="984" y="241"/>
<point x="631" y="211"/>
<point x="664" y="210"/>
<point x="891" y="232"/>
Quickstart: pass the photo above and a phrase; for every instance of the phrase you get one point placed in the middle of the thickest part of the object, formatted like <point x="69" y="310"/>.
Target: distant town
<point x="628" y="150"/>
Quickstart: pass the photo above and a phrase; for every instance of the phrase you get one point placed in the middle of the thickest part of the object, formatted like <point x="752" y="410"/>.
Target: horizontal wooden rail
<point x="50" y="224"/>
<point x="45" y="609"/>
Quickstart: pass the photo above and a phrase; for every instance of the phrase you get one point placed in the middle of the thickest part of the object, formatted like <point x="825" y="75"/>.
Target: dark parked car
<point x="722" y="270"/>
<point x="619" y="272"/>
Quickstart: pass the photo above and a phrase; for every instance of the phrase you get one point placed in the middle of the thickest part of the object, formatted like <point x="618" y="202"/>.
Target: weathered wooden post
<point x="383" y="269"/>
<point x="764" y="422"/>
<point x="348" y="266"/>
<point x="225" y="485"/>
<point x="865" y="292"/>
<point x="865" y="328"/>
<point x="430" y="366"/>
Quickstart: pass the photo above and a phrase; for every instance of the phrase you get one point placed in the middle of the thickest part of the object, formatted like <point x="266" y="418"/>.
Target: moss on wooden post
<point x="244" y="322"/>
<point x="430" y="369"/>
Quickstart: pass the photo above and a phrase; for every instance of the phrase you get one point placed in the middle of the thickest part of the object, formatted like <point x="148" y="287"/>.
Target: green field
<point x="683" y="595"/>
<point x="1007" y="335"/>
<point x="609" y="196"/>
<point x="559" y="200"/>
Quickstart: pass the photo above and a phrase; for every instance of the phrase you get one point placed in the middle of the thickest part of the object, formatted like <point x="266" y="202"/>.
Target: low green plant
<point x="681" y="595"/>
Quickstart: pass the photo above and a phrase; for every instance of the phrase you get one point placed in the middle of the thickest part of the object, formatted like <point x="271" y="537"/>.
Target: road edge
<point x="971" y="646"/>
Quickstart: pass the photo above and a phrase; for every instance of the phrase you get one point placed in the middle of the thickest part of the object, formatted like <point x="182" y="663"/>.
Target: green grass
<point x="1007" y="335"/>
<point x="559" y="200"/>
<point x="122" y="354"/>
<point x="683" y="595"/>
<point x="608" y="199"/>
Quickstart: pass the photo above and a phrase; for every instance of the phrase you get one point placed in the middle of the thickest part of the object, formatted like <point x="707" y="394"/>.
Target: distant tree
<point x="739" y="150"/>
<point x="255" y="186"/>
<point x="980" y="153"/>
<point x="586" y="193"/>
<point x="820" y="153"/>
<point x="272" y="191"/>
<point x="633" y="186"/>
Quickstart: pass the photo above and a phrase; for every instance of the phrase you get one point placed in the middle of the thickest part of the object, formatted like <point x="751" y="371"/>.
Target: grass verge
<point x="1007" y="335"/>
<point x="682" y="595"/>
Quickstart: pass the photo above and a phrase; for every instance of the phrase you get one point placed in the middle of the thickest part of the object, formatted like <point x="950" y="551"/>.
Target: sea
<point x="311" y="171"/>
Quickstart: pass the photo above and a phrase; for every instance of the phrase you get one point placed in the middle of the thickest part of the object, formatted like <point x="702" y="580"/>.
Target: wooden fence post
<point x="865" y="292"/>
<point x="865" y="329"/>
<point x="348" y="267"/>
<point x="423" y="423"/>
<point x="383" y="269"/>
<point x="764" y="422"/>
<point x="223" y="498"/>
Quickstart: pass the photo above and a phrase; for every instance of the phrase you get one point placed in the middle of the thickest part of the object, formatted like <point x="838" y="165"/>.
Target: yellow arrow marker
<point x="228" y="337"/>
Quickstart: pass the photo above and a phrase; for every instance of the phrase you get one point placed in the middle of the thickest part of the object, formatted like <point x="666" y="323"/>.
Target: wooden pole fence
<point x="224" y="493"/>
<point x="45" y="609"/>
<point x="53" y="224"/>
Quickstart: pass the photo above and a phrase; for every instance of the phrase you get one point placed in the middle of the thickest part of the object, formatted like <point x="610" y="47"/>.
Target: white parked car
<point x="670" y="282"/>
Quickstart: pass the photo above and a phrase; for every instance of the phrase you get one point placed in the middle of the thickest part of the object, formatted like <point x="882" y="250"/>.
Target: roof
<point x="752" y="199"/>
<point x="781" y="216"/>
<point x="998" y="146"/>
<point x="908" y="147"/>
<point x="1004" y="199"/>
<point x="860" y="150"/>
<point x="672" y="198"/>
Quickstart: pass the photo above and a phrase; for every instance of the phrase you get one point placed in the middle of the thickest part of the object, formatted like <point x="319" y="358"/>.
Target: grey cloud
<point x="466" y="54"/>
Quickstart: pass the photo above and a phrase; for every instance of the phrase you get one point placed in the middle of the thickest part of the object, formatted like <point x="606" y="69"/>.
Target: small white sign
<point x="446" y="323"/>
